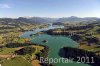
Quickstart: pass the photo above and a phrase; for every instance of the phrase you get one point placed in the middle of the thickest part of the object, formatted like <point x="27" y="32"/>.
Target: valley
<point x="27" y="42"/>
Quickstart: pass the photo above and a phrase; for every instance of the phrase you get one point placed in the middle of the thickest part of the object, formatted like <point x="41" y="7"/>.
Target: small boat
<point x="45" y="41"/>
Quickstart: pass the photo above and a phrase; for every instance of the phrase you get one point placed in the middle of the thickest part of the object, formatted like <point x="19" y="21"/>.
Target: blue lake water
<point x="54" y="43"/>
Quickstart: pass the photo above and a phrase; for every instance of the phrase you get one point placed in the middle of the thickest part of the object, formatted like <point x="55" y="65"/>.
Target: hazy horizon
<point x="48" y="17"/>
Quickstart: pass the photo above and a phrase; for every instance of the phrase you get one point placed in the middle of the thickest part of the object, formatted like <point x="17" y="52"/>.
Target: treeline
<point x="80" y="27"/>
<point x="63" y="32"/>
<point x="69" y="52"/>
<point x="25" y="50"/>
<point x="89" y="39"/>
<point x="14" y="45"/>
<point x="76" y="36"/>
<point x="69" y="30"/>
<point x="6" y="28"/>
<point x="44" y="54"/>
<point x="54" y="32"/>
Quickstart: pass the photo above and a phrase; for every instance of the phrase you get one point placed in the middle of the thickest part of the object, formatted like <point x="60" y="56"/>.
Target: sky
<point x="49" y="8"/>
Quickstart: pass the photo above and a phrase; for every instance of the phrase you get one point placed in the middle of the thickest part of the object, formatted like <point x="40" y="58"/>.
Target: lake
<point x="54" y="43"/>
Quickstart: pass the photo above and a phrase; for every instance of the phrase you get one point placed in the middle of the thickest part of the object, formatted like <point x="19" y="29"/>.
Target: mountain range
<point x="40" y="20"/>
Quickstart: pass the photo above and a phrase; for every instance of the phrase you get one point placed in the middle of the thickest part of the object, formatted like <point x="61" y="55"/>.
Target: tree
<point x="26" y="50"/>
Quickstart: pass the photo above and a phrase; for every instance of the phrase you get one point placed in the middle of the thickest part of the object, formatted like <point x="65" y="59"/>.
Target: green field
<point x="7" y="50"/>
<point x="18" y="61"/>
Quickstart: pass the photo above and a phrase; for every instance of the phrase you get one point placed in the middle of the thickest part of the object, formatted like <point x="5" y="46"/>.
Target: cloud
<point x="4" y="6"/>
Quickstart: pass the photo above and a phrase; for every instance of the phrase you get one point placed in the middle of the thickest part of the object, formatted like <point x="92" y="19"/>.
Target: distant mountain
<point x="77" y="19"/>
<point x="38" y="19"/>
<point x="41" y="20"/>
<point x="64" y="19"/>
